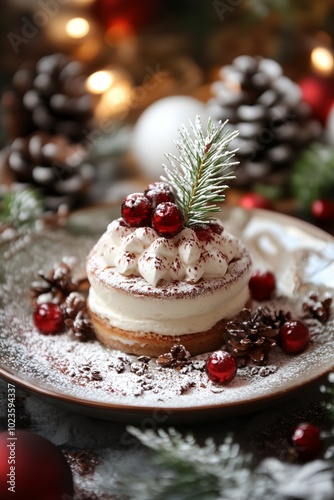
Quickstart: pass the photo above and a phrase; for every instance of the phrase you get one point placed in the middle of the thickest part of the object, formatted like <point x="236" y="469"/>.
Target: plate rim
<point x="111" y="410"/>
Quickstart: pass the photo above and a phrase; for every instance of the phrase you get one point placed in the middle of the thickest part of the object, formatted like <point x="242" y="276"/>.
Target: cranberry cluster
<point x="156" y="208"/>
<point x="293" y="336"/>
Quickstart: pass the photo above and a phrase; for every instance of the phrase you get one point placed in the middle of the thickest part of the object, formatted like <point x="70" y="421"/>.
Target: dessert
<point x="167" y="272"/>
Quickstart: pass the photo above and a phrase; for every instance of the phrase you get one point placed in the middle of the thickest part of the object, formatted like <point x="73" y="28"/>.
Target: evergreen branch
<point x="188" y="471"/>
<point x="198" y="177"/>
<point x="317" y="158"/>
<point x="21" y="208"/>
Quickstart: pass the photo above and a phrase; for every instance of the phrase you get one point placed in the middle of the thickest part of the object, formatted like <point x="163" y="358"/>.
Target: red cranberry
<point x="306" y="440"/>
<point x="167" y="219"/>
<point x="294" y="337"/>
<point x="136" y="209"/>
<point x="216" y="227"/>
<point x="160" y="185"/>
<point x="262" y="285"/>
<point x="157" y="196"/>
<point x="323" y="210"/>
<point x="49" y="318"/>
<point x="203" y="232"/>
<point x="254" y="200"/>
<point x="221" y="367"/>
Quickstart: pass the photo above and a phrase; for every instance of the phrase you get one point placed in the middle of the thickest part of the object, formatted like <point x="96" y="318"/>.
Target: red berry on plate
<point x="254" y="200"/>
<point x="262" y="285"/>
<point x="306" y="440"/>
<point x="136" y="209"/>
<point x="221" y="367"/>
<point x="48" y="318"/>
<point x="294" y="337"/>
<point x="157" y="196"/>
<point x="323" y="210"/>
<point x="167" y="219"/>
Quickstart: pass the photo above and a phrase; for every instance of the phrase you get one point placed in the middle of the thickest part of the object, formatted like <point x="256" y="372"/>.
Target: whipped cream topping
<point x="185" y="257"/>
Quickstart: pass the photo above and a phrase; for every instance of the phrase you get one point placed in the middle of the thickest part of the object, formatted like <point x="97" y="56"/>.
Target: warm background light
<point x="322" y="60"/>
<point x="99" y="82"/>
<point x="77" y="27"/>
<point x="115" y="98"/>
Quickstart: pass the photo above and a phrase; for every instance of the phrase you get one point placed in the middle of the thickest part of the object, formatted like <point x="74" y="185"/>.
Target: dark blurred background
<point x="134" y="55"/>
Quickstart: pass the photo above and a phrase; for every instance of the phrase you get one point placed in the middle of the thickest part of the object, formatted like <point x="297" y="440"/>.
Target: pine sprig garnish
<point x="198" y="176"/>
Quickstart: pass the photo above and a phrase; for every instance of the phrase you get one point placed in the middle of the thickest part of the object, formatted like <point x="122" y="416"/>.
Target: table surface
<point x="110" y="456"/>
<point x="103" y="454"/>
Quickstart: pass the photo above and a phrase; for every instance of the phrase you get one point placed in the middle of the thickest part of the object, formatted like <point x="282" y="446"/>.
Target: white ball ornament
<point x="157" y="127"/>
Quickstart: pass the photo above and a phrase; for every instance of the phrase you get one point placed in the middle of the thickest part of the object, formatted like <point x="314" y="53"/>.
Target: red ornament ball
<point x="49" y="318"/>
<point x="167" y="219"/>
<point x="136" y="210"/>
<point x="318" y="93"/>
<point x="323" y="210"/>
<point x="254" y="200"/>
<point x="221" y="367"/>
<point x="262" y="285"/>
<point x="306" y="440"/>
<point x="294" y="337"/>
<point x="31" y="467"/>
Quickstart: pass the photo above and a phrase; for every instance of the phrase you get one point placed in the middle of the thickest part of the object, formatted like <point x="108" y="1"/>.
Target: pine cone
<point x="313" y="307"/>
<point x="52" y="164"/>
<point x="77" y="317"/>
<point x="55" y="286"/>
<point x="250" y="336"/>
<point x="176" y="358"/>
<point x="50" y="96"/>
<point x="265" y="106"/>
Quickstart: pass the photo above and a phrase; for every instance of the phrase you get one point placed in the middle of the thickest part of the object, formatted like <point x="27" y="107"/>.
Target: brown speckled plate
<point x="92" y="379"/>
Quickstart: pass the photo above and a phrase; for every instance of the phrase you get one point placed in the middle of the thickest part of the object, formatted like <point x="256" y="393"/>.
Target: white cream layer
<point x="174" y="308"/>
<point x="185" y="257"/>
<point x="171" y="317"/>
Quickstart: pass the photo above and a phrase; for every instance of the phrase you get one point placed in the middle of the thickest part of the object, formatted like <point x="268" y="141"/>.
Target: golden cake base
<point x="152" y="344"/>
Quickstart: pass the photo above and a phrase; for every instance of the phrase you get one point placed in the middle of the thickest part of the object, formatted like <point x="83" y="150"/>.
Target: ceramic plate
<point x="90" y="378"/>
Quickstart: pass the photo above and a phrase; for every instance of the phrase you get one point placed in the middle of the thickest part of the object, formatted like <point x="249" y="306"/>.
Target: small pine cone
<point x="77" y="317"/>
<point x="176" y="358"/>
<point x="266" y="107"/>
<point x="80" y="326"/>
<point x="50" y="96"/>
<point x="250" y="336"/>
<point x="318" y="309"/>
<point x="54" y="286"/>
<point x="74" y="303"/>
<point x="51" y="164"/>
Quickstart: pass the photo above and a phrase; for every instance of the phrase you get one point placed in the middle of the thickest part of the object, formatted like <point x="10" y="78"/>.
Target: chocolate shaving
<point x="176" y="358"/>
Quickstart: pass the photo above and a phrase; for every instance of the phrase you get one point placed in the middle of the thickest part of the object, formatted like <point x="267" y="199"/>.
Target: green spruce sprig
<point x="21" y="209"/>
<point x="316" y="163"/>
<point x="187" y="470"/>
<point x="199" y="175"/>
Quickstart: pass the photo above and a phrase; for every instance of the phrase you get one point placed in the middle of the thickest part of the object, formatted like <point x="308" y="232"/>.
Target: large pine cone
<point x="52" y="164"/>
<point x="50" y="96"/>
<point x="266" y="107"/>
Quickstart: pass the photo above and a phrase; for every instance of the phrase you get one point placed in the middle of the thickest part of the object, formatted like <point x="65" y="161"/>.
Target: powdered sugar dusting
<point x="97" y="374"/>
